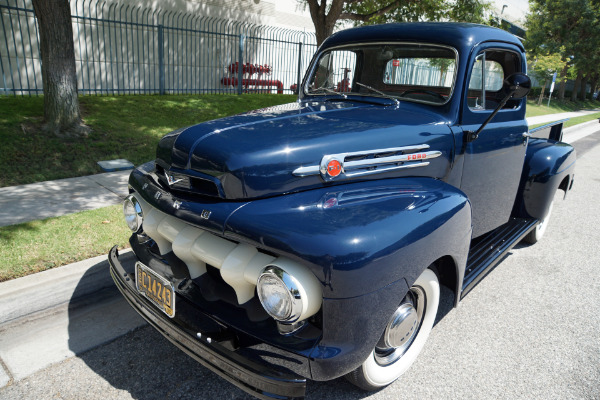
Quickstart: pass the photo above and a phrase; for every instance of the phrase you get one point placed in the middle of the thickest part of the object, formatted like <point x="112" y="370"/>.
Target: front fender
<point x="366" y="243"/>
<point x="361" y="237"/>
<point x="547" y="164"/>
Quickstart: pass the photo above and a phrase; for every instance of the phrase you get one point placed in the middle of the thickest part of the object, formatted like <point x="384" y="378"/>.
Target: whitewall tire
<point x="404" y="336"/>
<point x="538" y="232"/>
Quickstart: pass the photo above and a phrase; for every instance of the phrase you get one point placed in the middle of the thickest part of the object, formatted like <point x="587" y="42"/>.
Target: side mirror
<point x="517" y="85"/>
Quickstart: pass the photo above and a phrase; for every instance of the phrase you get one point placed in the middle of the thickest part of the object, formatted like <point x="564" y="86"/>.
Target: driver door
<point x="493" y="163"/>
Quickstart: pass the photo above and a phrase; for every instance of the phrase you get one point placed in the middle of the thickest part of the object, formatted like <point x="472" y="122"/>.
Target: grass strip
<point x="43" y="244"/>
<point x="582" y="119"/>
<point x="122" y="127"/>
<point x="556" y="106"/>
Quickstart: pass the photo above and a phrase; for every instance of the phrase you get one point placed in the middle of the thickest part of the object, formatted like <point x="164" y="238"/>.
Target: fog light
<point x="279" y="294"/>
<point x="133" y="213"/>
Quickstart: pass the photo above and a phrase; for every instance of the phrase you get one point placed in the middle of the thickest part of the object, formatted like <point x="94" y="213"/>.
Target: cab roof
<point x="455" y="34"/>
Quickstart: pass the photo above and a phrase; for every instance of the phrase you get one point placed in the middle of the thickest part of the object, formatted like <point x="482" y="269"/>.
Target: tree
<point x="544" y="67"/>
<point x="569" y="27"/>
<point x="61" y="105"/>
<point x="326" y="13"/>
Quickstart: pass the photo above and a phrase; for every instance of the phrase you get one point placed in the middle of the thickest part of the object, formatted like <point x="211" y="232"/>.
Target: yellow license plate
<point x="155" y="288"/>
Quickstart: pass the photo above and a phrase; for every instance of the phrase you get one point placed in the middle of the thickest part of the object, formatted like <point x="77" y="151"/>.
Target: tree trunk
<point x="542" y="92"/>
<point x="323" y="22"/>
<point x="322" y="32"/>
<point x="576" y="86"/>
<point x="594" y="84"/>
<point x="583" y="90"/>
<point x="563" y="83"/>
<point x="61" y="106"/>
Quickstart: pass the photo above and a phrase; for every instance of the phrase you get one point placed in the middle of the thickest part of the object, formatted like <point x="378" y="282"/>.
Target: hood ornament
<point x="171" y="179"/>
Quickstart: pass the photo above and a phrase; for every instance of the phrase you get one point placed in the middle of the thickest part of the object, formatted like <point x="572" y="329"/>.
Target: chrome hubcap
<point x="402" y="328"/>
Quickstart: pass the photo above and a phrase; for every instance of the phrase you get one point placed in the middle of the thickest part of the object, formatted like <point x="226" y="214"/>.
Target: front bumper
<point x="207" y="347"/>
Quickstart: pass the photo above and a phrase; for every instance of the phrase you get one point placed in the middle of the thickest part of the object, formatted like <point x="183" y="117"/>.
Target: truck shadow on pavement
<point x="123" y="350"/>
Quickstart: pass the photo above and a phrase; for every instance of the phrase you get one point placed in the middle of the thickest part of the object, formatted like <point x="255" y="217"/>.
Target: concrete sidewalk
<point x="41" y="200"/>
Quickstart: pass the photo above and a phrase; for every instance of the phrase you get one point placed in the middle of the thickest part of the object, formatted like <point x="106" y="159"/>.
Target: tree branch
<point x="365" y="17"/>
<point x="334" y="12"/>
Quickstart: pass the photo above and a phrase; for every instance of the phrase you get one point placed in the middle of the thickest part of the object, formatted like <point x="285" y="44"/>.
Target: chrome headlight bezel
<point x="132" y="210"/>
<point x="289" y="286"/>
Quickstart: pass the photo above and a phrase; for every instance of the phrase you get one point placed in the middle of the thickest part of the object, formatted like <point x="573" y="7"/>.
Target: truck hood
<point x="276" y="150"/>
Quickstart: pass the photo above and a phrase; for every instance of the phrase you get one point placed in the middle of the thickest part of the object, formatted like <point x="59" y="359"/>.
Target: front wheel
<point x="404" y="336"/>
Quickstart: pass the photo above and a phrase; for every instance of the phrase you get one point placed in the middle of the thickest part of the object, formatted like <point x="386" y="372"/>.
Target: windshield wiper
<point x="330" y="91"/>
<point x="387" y="96"/>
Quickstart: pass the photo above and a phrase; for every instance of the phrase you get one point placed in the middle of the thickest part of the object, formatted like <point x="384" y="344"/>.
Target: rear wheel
<point x="536" y="234"/>
<point x="404" y="336"/>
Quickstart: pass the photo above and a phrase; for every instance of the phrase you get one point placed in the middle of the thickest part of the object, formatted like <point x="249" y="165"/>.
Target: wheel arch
<point x="566" y="184"/>
<point x="448" y="273"/>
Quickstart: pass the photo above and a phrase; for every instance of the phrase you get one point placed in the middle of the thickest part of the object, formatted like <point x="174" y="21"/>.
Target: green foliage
<point x="570" y="28"/>
<point x="468" y="11"/>
<point x="423" y="10"/>
<point x="544" y="66"/>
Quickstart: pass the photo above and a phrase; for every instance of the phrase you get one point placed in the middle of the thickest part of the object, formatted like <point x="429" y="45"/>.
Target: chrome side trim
<point x="390" y="160"/>
<point x="372" y="165"/>
<point x="306" y="171"/>
<point x="386" y="169"/>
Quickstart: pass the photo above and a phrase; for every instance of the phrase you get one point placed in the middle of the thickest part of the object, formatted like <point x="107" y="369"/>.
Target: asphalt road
<point x="530" y="330"/>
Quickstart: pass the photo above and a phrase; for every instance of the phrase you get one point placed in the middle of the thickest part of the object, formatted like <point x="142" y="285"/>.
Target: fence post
<point x="241" y="63"/>
<point x="299" y="67"/>
<point x="161" y="60"/>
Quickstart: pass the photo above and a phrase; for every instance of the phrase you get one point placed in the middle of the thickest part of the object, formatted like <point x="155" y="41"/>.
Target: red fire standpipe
<point x="254" y="82"/>
<point x="252" y="69"/>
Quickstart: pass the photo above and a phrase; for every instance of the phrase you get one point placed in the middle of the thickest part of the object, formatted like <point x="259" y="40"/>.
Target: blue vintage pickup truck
<point x="310" y="240"/>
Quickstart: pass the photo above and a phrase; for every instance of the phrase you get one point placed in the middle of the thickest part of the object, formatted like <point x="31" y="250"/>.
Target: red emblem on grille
<point x="334" y="168"/>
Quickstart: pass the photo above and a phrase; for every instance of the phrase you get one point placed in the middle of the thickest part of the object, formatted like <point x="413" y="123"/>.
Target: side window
<point x="489" y="70"/>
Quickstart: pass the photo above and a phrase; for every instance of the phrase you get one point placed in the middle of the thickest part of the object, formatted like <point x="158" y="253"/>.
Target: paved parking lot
<point x="530" y="330"/>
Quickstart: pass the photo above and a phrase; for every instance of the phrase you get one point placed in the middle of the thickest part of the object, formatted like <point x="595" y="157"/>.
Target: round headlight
<point x="133" y="213"/>
<point x="279" y="295"/>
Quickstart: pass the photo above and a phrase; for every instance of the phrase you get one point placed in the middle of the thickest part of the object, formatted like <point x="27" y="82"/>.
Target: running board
<point x="491" y="249"/>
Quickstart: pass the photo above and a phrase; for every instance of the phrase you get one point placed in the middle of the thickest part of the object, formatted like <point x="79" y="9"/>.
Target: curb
<point x="48" y="289"/>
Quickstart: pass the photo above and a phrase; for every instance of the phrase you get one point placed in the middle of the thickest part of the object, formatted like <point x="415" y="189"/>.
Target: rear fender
<point x="547" y="164"/>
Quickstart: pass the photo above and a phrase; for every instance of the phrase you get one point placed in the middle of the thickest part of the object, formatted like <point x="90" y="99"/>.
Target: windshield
<point x="415" y="72"/>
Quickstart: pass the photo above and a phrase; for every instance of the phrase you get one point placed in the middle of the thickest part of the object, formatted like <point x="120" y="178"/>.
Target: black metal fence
<point x="128" y="49"/>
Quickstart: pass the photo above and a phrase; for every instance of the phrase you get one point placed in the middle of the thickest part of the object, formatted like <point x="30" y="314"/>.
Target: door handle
<point x="526" y="136"/>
